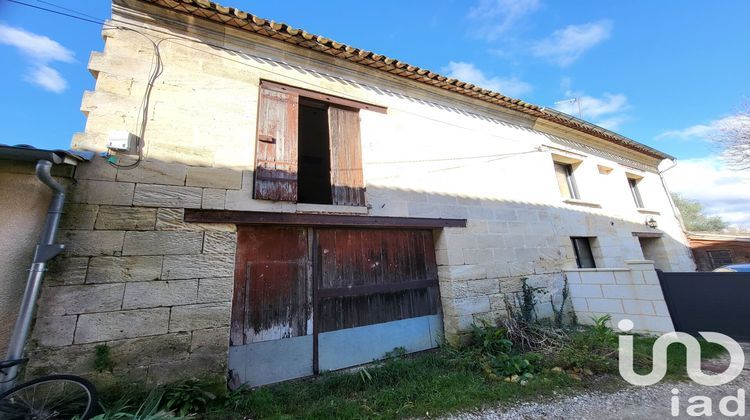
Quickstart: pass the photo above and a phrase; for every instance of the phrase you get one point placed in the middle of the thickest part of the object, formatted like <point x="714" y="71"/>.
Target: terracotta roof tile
<point x="301" y="38"/>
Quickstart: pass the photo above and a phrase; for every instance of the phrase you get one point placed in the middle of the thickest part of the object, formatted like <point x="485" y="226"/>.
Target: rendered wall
<point x="24" y="205"/>
<point x="157" y="290"/>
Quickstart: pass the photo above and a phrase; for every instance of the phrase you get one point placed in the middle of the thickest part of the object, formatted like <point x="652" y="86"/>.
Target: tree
<point x="734" y="138"/>
<point x="693" y="217"/>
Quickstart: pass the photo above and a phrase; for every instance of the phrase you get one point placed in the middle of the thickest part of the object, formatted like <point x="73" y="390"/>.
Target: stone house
<point x="287" y="204"/>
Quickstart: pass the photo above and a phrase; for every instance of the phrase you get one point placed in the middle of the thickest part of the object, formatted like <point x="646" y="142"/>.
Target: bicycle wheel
<point x="49" y="397"/>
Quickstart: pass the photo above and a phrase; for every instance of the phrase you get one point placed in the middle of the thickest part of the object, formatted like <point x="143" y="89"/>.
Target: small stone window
<point x="582" y="248"/>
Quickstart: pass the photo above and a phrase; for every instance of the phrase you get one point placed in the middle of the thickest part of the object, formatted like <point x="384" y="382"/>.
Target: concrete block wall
<point x="632" y="293"/>
<point x="157" y="290"/>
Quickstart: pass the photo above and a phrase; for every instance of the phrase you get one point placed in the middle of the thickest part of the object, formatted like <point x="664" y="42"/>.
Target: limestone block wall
<point x="157" y="290"/>
<point x="136" y="278"/>
<point x="632" y="293"/>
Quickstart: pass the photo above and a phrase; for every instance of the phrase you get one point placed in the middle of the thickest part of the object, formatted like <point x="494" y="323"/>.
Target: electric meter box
<point x="120" y="140"/>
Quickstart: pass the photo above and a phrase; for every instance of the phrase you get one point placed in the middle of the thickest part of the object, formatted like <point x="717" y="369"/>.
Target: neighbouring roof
<point x="286" y="33"/>
<point x="26" y="153"/>
<point x="721" y="237"/>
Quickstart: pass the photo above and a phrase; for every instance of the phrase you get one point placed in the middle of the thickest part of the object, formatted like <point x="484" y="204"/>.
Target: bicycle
<point x="65" y="397"/>
<point x="48" y="397"/>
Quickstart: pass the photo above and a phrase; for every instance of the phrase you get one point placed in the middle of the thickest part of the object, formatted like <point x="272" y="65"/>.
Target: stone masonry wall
<point x="138" y="279"/>
<point x="630" y="293"/>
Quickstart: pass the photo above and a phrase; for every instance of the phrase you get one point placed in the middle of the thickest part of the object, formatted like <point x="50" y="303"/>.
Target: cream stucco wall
<point x="24" y="205"/>
<point x="432" y="154"/>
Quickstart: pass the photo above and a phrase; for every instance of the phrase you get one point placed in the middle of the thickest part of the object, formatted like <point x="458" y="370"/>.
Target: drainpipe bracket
<point x="44" y="253"/>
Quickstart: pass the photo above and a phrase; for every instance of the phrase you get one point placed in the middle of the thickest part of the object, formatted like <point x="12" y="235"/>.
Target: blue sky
<point x="666" y="74"/>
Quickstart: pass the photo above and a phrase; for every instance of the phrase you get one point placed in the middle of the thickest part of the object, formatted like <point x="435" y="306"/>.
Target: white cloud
<point x="42" y="51"/>
<point x="468" y="72"/>
<point x="721" y="190"/>
<point x="566" y="45"/>
<point x="705" y="132"/>
<point x="48" y="78"/>
<point x="606" y="111"/>
<point x="497" y="17"/>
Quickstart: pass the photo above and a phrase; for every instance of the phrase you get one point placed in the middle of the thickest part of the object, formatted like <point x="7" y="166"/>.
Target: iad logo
<point x="693" y="364"/>
<point x="699" y="405"/>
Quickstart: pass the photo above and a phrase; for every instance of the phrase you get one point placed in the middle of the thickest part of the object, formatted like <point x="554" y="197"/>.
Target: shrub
<point x="490" y="350"/>
<point x="591" y="348"/>
<point x="188" y="397"/>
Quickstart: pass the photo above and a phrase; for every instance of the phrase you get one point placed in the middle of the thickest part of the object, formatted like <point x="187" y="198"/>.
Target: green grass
<point x="676" y="356"/>
<point x="432" y="383"/>
<point x="425" y="385"/>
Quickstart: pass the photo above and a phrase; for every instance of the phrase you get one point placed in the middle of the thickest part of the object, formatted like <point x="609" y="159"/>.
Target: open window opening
<point x="566" y="181"/>
<point x="308" y="147"/>
<point x="635" y="192"/>
<point x="582" y="249"/>
<point x="314" y="172"/>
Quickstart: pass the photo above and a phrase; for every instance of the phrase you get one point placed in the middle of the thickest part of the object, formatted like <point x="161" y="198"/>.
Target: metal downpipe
<point x="45" y="250"/>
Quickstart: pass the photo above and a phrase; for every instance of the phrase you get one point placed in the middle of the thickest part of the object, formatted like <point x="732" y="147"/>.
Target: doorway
<point x="308" y="299"/>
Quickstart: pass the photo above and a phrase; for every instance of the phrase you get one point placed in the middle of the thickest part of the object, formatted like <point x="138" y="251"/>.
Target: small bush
<point x="103" y="359"/>
<point x="591" y="348"/>
<point x="492" y="352"/>
<point x="188" y="397"/>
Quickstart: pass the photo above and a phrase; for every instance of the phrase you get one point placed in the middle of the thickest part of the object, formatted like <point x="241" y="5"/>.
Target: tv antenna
<point x="570" y="101"/>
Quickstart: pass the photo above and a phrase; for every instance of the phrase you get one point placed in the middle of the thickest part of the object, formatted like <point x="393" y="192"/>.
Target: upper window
<point x="566" y="181"/>
<point x="308" y="147"/>
<point x="584" y="256"/>
<point x="635" y="192"/>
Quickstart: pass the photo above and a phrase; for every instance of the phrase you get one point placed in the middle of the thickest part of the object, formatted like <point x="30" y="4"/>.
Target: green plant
<point x="591" y="348"/>
<point x="490" y="338"/>
<point x="103" y="359"/>
<point x="147" y="410"/>
<point x="493" y="352"/>
<point x="365" y="375"/>
<point x="560" y="313"/>
<point x="188" y="397"/>
<point x="528" y="301"/>
<point x="234" y="399"/>
<point x="396" y="353"/>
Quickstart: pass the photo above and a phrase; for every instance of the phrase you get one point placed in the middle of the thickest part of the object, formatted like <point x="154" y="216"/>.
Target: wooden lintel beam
<point x="314" y="219"/>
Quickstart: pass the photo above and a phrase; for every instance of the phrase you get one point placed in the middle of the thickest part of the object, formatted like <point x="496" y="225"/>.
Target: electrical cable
<point x="156" y="71"/>
<point x="271" y="60"/>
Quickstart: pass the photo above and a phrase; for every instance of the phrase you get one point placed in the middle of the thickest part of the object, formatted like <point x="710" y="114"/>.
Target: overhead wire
<point x="157" y="69"/>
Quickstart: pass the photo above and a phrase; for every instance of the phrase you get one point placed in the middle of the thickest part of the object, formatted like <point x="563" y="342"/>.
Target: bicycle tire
<point x="13" y="408"/>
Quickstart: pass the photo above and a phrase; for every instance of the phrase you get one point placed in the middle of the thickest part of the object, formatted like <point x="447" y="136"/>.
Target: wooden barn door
<point x="271" y="330"/>
<point x="375" y="290"/>
<point x="308" y="300"/>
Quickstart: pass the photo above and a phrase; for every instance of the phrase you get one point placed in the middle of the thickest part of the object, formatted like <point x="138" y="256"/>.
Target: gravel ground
<point x="651" y="402"/>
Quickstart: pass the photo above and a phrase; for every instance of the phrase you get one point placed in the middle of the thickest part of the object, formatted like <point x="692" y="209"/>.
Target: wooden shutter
<point x="276" y="146"/>
<point x="347" y="182"/>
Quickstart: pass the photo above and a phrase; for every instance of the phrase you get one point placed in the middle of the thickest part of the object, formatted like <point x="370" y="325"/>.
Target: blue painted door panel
<point x="355" y="346"/>
<point x="267" y="362"/>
